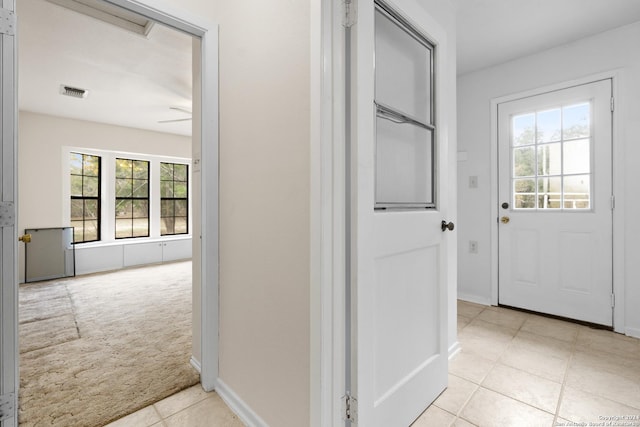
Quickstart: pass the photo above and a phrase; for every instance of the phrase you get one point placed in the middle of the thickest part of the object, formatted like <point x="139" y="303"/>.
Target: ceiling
<point x="133" y="80"/>
<point x="491" y="32"/>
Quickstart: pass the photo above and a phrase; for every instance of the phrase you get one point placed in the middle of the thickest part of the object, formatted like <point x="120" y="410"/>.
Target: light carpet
<point x="95" y="348"/>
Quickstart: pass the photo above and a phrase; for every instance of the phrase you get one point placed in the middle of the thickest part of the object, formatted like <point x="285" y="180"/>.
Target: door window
<point x="405" y="131"/>
<point x="551" y="158"/>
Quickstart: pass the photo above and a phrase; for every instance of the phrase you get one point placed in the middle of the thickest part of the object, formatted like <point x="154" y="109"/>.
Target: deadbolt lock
<point x="505" y="219"/>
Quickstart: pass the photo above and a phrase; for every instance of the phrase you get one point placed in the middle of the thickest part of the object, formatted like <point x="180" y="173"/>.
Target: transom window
<point x="85" y="197"/>
<point x="132" y="198"/>
<point x="551" y="158"/>
<point x="174" y="200"/>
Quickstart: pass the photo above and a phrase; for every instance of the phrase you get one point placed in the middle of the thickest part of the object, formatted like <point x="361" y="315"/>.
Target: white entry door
<point x="555" y="195"/>
<point x="399" y="246"/>
<point x="8" y="232"/>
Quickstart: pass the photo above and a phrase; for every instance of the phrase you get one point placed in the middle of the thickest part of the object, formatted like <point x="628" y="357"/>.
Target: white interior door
<point x="555" y="195"/>
<point x="399" y="257"/>
<point x="8" y="232"/>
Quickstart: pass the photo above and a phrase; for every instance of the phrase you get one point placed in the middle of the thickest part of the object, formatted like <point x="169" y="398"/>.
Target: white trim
<point x="320" y="344"/>
<point x="475" y="299"/>
<point x="619" y="235"/>
<point x="493" y="244"/>
<point x="210" y="211"/>
<point x="196" y="364"/>
<point x="633" y="332"/>
<point x="618" y="187"/>
<point x="195" y="25"/>
<point x="239" y="406"/>
<point x="328" y="204"/>
<point x="9" y="359"/>
<point x="168" y="13"/>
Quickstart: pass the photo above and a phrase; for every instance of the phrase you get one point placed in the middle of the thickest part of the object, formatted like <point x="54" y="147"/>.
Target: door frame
<point x="618" y="187"/>
<point x="207" y="161"/>
<point x="207" y="156"/>
<point x="327" y="212"/>
<point x="9" y="359"/>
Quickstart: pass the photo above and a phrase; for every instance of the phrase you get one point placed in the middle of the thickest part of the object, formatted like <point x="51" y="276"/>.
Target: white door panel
<point x="399" y="186"/>
<point x="555" y="251"/>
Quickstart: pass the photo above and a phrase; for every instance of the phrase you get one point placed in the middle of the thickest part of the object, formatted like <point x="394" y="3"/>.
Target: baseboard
<point x="454" y="350"/>
<point x="239" y="406"/>
<point x="474" y="298"/>
<point x="633" y="332"/>
<point x="196" y="364"/>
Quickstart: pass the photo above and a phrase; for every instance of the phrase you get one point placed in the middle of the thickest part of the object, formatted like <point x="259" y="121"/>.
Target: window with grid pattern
<point x="174" y="199"/>
<point x="132" y="198"/>
<point x="551" y="155"/>
<point x="85" y="197"/>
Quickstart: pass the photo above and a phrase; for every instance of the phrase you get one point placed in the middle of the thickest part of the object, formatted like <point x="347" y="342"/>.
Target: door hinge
<point x="7" y="406"/>
<point x="613" y="300"/>
<point x="350" y="408"/>
<point x="613" y="104"/>
<point x="613" y="202"/>
<point x="7" y="22"/>
<point x="350" y="15"/>
<point x="7" y="214"/>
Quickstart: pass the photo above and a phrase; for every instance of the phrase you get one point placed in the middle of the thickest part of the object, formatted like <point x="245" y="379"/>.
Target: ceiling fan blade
<point x="174" y="120"/>
<point x="184" y="110"/>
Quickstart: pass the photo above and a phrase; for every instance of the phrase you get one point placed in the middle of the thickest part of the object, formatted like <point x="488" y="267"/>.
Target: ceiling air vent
<point x="74" y="92"/>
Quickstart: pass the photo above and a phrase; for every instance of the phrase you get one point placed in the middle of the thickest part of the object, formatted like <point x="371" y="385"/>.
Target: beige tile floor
<point x="515" y="369"/>
<point x="192" y="407"/>
<point x="520" y="369"/>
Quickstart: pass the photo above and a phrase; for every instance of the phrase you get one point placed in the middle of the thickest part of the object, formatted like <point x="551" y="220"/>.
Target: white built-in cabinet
<point x="93" y="259"/>
<point x="154" y="252"/>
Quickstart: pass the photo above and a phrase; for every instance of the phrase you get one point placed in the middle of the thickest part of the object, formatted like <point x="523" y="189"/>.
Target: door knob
<point x="26" y="238"/>
<point x="447" y="226"/>
<point x="505" y="219"/>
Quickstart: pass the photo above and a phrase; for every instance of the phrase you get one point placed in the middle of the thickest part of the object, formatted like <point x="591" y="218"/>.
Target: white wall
<point x="40" y="141"/>
<point x="613" y="50"/>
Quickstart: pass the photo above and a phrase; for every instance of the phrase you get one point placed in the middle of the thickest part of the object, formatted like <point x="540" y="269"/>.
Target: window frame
<point x="97" y="198"/>
<point x="132" y="198"/>
<point x="387" y="112"/>
<point x="107" y="180"/>
<point x="174" y="199"/>
<point x="561" y="175"/>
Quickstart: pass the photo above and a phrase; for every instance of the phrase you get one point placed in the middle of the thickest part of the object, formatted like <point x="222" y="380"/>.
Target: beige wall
<point x="264" y="203"/>
<point x="264" y="206"/>
<point x="41" y="139"/>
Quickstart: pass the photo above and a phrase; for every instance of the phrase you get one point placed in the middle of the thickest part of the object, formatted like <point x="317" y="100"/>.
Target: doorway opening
<point x="204" y="154"/>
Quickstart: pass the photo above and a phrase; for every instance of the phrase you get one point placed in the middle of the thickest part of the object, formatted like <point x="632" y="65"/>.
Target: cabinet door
<point x="142" y="253"/>
<point x="176" y="249"/>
